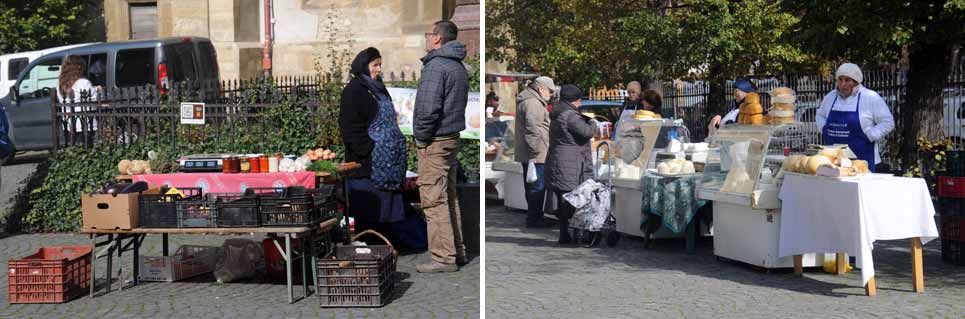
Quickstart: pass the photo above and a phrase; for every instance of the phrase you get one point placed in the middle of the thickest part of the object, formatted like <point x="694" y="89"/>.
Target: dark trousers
<point x="535" y="194"/>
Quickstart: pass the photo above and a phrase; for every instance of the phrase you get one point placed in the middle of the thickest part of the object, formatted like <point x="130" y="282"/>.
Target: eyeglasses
<point x="431" y="34"/>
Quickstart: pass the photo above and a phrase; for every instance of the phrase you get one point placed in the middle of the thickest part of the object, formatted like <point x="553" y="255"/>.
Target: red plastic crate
<point x="951" y="186"/>
<point x="52" y="275"/>
<point x="953" y="228"/>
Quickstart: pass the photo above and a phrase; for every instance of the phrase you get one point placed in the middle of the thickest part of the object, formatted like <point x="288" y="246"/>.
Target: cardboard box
<point x="105" y="211"/>
<point x="188" y="261"/>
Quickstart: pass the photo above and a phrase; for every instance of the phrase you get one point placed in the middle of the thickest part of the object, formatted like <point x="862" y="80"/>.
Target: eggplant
<point x="134" y="188"/>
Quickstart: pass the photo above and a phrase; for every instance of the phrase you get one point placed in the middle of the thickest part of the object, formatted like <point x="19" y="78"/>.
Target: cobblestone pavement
<point x="450" y="295"/>
<point x="529" y="275"/>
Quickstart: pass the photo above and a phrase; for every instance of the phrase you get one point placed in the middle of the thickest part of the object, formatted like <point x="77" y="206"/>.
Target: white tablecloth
<point x="825" y="215"/>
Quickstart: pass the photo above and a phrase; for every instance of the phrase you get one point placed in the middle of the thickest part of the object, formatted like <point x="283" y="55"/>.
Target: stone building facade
<point x="236" y="27"/>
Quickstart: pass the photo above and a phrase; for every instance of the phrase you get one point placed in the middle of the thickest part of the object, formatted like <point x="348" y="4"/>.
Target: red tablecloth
<point x="229" y="183"/>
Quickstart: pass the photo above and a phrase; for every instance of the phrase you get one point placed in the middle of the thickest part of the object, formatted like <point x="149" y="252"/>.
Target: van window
<point x="96" y="69"/>
<point x="15" y="66"/>
<point x="209" y="60"/>
<point x="135" y="67"/>
<point x="180" y="61"/>
<point x="42" y="79"/>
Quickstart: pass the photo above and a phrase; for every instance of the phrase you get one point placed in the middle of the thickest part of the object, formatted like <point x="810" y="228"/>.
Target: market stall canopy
<point x="509" y="77"/>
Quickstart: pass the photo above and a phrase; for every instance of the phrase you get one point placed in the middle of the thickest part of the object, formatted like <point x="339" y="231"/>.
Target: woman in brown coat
<point x="569" y="161"/>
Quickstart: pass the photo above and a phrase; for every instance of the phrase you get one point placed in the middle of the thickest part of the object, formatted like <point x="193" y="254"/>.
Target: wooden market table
<point x="848" y="215"/>
<point x="135" y="237"/>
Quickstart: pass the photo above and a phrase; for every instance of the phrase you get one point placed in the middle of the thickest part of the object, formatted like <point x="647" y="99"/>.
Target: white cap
<point x="850" y="70"/>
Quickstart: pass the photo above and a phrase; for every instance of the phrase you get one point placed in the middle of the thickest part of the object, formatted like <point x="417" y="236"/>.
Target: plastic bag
<point x="242" y="258"/>
<point x="738" y="180"/>
<point x="531" y="173"/>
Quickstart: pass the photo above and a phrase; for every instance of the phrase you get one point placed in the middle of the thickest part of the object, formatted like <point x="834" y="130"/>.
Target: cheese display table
<point x="848" y="215"/>
<point x="228" y="183"/>
<point x="671" y="202"/>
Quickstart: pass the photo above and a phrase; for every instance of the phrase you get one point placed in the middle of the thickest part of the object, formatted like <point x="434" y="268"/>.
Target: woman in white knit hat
<point x="854" y="115"/>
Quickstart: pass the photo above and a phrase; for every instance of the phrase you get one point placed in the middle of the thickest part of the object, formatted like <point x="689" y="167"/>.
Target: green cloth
<point x="674" y="199"/>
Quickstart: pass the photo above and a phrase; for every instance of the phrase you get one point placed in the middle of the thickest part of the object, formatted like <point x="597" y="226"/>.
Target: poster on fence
<point x="404" y="100"/>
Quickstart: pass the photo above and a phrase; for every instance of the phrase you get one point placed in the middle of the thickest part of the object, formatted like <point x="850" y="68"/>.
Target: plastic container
<point x="160" y="211"/>
<point x="950" y="206"/>
<point x="357" y="276"/>
<point x="244" y="165"/>
<point x="263" y="164"/>
<point x="235" y="209"/>
<point x="953" y="251"/>
<point x="199" y="213"/>
<point x="52" y="275"/>
<point x="291" y="209"/>
<point x="273" y="164"/>
<point x="953" y="228"/>
<point x="949" y="186"/>
<point x="255" y="164"/>
<point x="188" y="261"/>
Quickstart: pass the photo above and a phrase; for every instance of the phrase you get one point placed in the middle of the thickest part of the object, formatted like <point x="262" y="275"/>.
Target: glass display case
<point x="637" y="144"/>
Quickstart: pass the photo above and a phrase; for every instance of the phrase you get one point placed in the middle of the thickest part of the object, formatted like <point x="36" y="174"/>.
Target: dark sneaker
<point x="436" y="267"/>
<point x="462" y="260"/>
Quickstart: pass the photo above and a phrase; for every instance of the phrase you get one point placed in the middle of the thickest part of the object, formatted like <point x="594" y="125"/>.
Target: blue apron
<point x="845" y="128"/>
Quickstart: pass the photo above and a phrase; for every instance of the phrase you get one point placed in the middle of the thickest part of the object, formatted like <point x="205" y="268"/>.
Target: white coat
<point x="874" y="114"/>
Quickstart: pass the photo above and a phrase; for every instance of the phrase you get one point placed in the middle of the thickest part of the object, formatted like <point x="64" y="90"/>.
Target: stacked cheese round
<point x="751" y="111"/>
<point x="645" y="115"/>
<point x="782" y="106"/>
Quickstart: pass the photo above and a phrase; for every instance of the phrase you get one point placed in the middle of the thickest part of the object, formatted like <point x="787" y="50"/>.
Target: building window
<point x="143" y="20"/>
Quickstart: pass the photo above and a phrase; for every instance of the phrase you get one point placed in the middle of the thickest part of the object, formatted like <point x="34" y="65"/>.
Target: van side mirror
<point x="14" y="93"/>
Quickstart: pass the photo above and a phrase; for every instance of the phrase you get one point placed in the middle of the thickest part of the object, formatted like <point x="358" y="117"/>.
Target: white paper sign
<point x="192" y="113"/>
<point x="404" y="102"/>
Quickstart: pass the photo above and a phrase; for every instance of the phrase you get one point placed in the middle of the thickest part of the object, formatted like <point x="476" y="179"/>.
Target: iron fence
<point x="123" y="115"/>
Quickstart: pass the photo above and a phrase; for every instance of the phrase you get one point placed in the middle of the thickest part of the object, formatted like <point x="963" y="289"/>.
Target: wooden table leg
<point x="841" y="263"/>
<point x="871" y="288"/>
<point x="916" y="265"/>
<point x="799" y="264"/>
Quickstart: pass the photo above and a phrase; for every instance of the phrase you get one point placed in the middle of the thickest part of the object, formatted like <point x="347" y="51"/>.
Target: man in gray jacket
<point x="439" y="116"/>
<point x="532" y="140"/>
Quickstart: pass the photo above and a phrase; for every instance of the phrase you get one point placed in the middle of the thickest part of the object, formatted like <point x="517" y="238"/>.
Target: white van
<point x="12" y="64"/>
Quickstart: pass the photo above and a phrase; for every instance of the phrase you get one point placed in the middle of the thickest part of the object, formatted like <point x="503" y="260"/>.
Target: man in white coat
<point x="854" y="115"/>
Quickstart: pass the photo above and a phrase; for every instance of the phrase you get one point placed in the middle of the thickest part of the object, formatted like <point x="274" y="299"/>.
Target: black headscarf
<point x="360" y="69"/>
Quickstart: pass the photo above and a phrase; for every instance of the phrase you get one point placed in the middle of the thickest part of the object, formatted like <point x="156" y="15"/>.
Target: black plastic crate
<point x="952" y="227"/>
<point x="160" y="211"/>
<point x="953" y="251"/>
<point x="235" y="209"/>
<point x="201" y="213"/>
<point x="357" y="276"/>
<point x="955" y="163"/>
<point x="297" y="206"/>
<point x="950" y="206"/>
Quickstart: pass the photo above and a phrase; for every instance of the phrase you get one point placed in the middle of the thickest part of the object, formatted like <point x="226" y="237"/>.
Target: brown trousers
<point x="437" y="192"/>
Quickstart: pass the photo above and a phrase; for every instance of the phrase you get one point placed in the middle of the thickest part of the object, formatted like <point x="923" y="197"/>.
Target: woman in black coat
<point x="569" y="161"/>
<point x="375" y="190"/>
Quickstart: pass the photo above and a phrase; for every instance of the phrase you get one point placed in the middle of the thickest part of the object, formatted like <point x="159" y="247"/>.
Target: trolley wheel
<point x="612" y="238"/>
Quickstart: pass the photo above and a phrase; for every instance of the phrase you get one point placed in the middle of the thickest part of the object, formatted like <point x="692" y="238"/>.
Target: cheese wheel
<point x="782" y="107"/>
<point x="781" y="120"/>
<point x="752" y="98"/>
<point x="816" y="161"/>
<point x="843" y="161"/>
<point x="755" y="119"/>
<point x="688" y="168"/>
<point x="751" y="108"/>
<point x="663" y="168"/>
<point x="860" y="166"/>
<point x="782" y="91"/>
<point x="124" y="166"/>
<point x="830" y="153"/>
<point x="791" y="163"/>
<point x="674" y="167"/>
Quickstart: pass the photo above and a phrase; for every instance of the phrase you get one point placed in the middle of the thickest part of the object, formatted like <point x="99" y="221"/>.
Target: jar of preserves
<point x="263" y="163"/>
<point x="255" y="164"/>
<point x="244" y="165"/>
